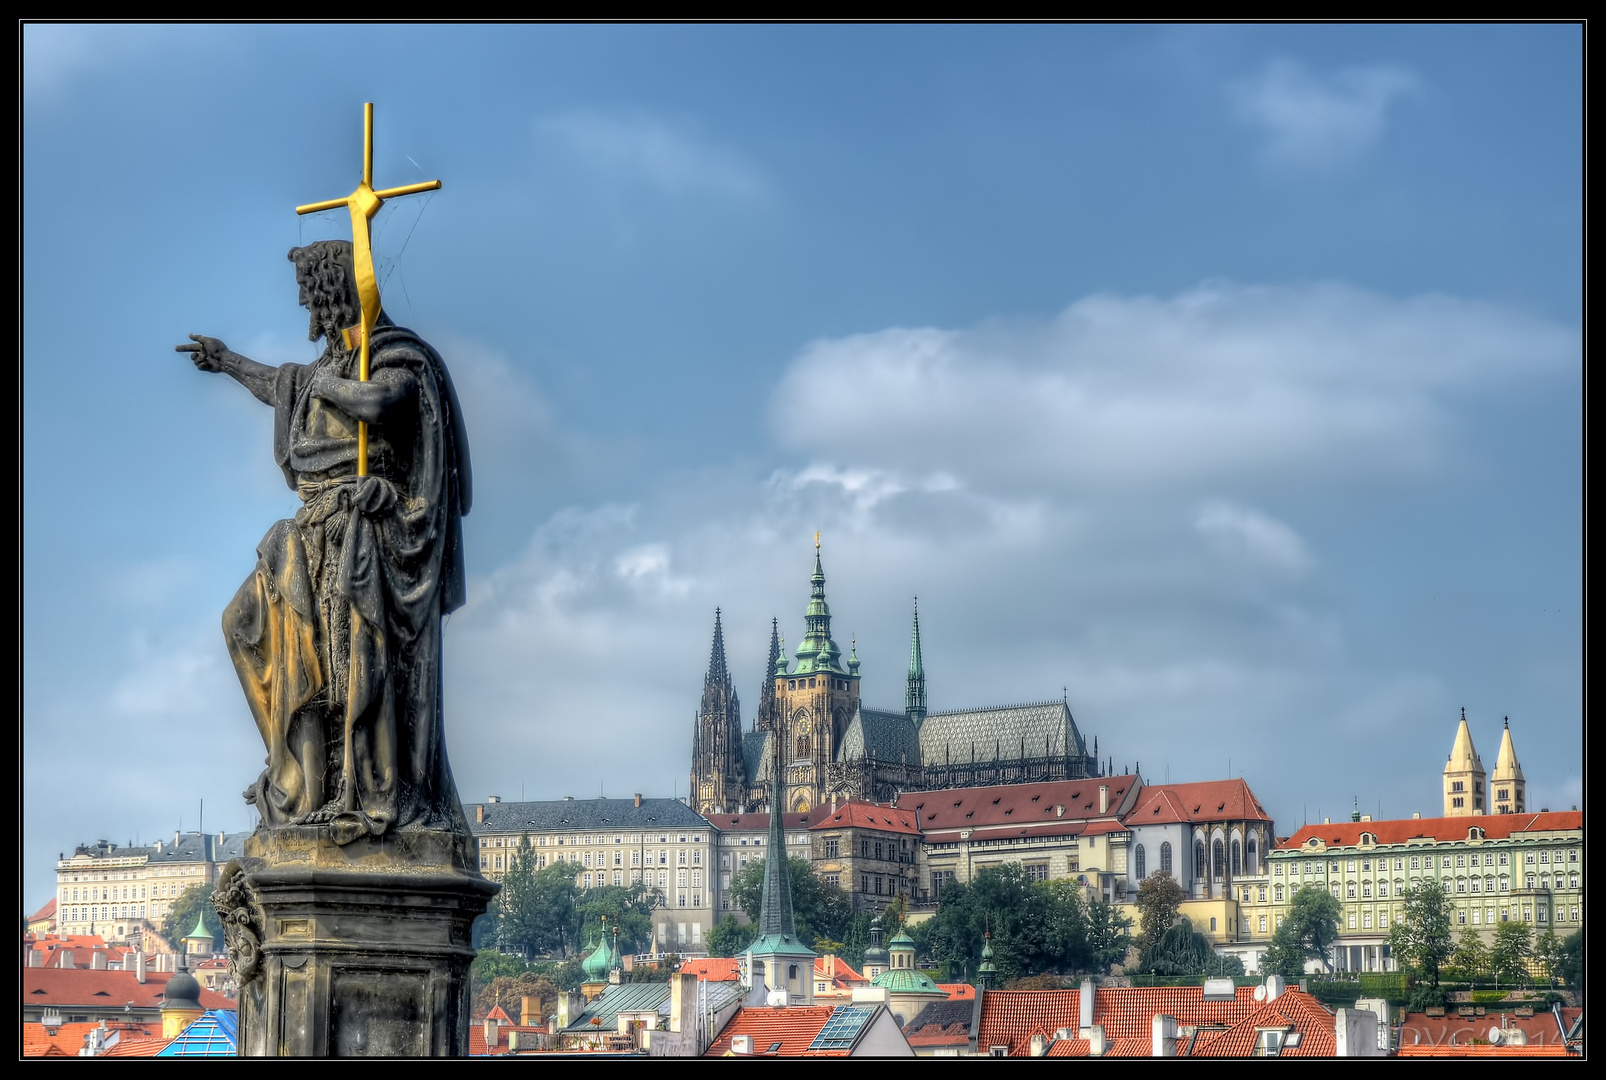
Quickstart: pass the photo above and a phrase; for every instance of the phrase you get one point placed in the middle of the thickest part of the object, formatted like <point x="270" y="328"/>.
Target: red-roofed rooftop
<point x="1403" y="830"/>
<point x="864" y="815"/>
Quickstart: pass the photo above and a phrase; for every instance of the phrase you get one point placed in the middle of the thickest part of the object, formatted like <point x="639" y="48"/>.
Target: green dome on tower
<point x="596" y="965"/>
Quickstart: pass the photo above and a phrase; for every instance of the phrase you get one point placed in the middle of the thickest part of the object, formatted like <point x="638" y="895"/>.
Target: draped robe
<point x="340" y="624"/>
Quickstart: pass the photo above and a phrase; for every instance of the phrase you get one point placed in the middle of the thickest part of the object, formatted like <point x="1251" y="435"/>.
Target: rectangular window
<point x="1366" y="920"/>
<point x="1352" y="920"/>
<point x="1415" y="865"/>
<point x="618" y="877"/>
<point x="1036" y="871"/>
<point x="1351" y="890"/>
<point x="1460" y="860"/>
<point x="1263" y="924"/>
<point x="1530" y="858"/>
<point x="1461" y="918"/>
<point x="864" y="849"/>
<point x="832" y="848"/>
<point x="834" y="880"/>
<point x="1544" y="857"/>
<point x="864" y="883"/>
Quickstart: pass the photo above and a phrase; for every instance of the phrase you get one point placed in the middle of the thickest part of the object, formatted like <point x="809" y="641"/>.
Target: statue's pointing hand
<point x="207" y="352"/>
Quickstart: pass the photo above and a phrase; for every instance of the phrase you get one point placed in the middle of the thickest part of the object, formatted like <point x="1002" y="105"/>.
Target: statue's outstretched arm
<point x="210" y="354"/>
<point x="366" y="401"/>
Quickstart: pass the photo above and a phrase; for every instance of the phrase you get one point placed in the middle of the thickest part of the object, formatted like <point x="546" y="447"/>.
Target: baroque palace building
<point x="835" y="747"/>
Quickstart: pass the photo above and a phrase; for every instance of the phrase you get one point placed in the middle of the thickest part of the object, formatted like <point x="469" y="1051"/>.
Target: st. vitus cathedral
<point x="838" y="747"/>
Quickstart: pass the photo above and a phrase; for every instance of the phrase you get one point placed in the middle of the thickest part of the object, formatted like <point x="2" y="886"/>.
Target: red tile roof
<point x="1021" y="804"/>
<point x="714" y="968"/>
<point x="499" y="1015"/>
<point x="958" y="991"/>
<point x="795" y="1028"/>
<point x="865" y="815"/>
<point x="761" y="822"/>
<point x="64" y="1041"/>
<point x="1292" y="1008"/>
<point x="1419" y="1029"/>
<point x="1210" y="800"/>
<point x="148" y="1046"/>
<point x="83" y="987"/>
<point x="1011" y="1017"/>
<point x="954" y="1034"/>
<point x="1485" y="1050"/>
<point x="839" y="972"/>
<point x="82" y="946"/>
<point x="1494" y="826"/>
<point x="46" y="912"/>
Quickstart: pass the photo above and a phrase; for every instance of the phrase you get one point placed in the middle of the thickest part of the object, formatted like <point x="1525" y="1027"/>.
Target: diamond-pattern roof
<point x="561" y="815"/>
<point x="1007" y="733"/>
<point x="882" y="735"/>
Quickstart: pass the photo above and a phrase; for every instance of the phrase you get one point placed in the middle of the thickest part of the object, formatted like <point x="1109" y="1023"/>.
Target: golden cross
<point x="816" y="541"/>
<point x="364" y="203"/>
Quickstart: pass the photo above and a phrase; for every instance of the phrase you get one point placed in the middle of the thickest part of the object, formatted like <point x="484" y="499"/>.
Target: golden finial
<point x="816" y="541"/>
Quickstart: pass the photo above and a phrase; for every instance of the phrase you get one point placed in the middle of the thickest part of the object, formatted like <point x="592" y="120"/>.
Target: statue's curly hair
<point x="326" y="268"/>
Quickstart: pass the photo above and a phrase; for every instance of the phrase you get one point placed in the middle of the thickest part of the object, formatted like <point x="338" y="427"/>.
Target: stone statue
<point x="336" y="635"/>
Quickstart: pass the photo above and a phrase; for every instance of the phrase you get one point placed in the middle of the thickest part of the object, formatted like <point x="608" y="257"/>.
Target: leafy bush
<point x="1485" y="997"/>
<point x="1390" y="985"/>
<point x="1425" y="996"/>
<point x="1344" y="993"/>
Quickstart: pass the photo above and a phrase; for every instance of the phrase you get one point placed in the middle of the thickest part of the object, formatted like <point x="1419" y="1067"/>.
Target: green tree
<point x="1549" y="953"/>
<point x="1470" y="956"/>
<point x="731" y="937"/>
<point x="1159" y="898"/>
<point x="1422" y="939"/>
<point x="1179" y="950"/>
<point x="1571" y="967"/>
<point x="1286" y="955"/>
<point x="1109" y="935"/>
<point x="1313" y="921"/>
<point x="1513" y="945"/>
<point x="536" y="908"/>
<point x="629" y="907"/>
<point x="1037" y="927"/>
<point x="821" y="910"/>
<point x="192" y="902"/>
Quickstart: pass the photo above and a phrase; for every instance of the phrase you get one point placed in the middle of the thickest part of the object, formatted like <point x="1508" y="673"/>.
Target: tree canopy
<point x="1159" y="898"/>
<point x="821" y="911"/>
<point x="1513" y="945"/>
<point x="1422" y="938"/>
<point x="1044" y="927"/>
<point x="1313" y="921"/>
<point x="542" y="912"/>
<point x="193" y="901"/>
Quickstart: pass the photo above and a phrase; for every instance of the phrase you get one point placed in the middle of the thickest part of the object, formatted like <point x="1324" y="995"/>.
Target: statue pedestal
<point x="361" y="950"/>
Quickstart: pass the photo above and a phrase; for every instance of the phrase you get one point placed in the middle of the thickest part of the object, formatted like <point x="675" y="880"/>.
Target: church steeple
<point x="1464" y="776"/>
<point x="777" y="960"/>
<point x="914" y="694"/>
<point x="775" y="665"/>
<point x="1509" y="795"/>
<point x="717" y="781"/>
<point x="818" y="653"/>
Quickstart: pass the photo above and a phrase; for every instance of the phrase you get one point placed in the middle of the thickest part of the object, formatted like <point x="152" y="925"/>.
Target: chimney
<point x="683" y="1002"/>
<point x="1275" y="987"/>
<point x="66" y="958"/>
<point x="1089" y="989"/>
<point x="1039" y="1044"/>
<point x="566" y="1009"/>
<point x="490" y="1033"/>
<point x="741" y="1044"/>
<point x="1416" y="817"/>
<point x="638" y="799"/>
<point x="1104" y="798"/>
<point x="513" y="1041"/>
<point x="1163" y="1030"/>
<point x="529" y="1011"/>
<point x="1095" y="1041"/>
<point x="479" y="813"/>
<point x="97" y="960"/>
<point x="493" y="798"/>
<point x="36" y="958"/>
<point x="137" y="958"/>
<point x="175" y="837"/>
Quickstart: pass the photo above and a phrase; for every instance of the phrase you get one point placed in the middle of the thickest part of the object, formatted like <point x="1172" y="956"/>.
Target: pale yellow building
<point x="120" y="893"/>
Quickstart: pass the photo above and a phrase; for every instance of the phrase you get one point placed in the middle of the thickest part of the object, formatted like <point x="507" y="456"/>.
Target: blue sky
<point x="1228" y="377"/>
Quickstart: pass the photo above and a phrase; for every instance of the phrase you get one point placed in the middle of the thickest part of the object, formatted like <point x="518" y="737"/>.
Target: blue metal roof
<point x="215" y="1033"/>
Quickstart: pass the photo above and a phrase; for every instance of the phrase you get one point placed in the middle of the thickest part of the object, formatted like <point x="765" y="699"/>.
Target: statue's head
<point x="328" y="281"/>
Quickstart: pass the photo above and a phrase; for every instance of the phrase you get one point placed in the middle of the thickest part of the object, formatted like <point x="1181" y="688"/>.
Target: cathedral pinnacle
<point x="818" y="652"/>
<point x="914" y="694"/>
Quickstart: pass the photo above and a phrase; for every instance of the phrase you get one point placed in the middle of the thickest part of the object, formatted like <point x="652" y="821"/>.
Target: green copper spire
<point x="818" y="652"/>
<point x="853" y="658"/>
<point x="775" y="907"/>
<point x="914" y="694"/>
<point x="986" y="974"/>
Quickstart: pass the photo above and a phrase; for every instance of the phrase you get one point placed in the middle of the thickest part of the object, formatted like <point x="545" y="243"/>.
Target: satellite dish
<point x="1496" y="1035"/>
<point x="1260" y="992"/>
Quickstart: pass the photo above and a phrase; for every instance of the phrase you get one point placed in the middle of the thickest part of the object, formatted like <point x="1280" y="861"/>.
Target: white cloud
<point x="1223" y="383"/>
<point x="1236" y="529"/>
<point x="1312" y="122"/>
<point x="656" y="152"/>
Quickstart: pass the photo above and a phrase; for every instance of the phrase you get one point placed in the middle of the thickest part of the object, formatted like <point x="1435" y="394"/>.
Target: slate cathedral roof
<point x="572" y="814"/>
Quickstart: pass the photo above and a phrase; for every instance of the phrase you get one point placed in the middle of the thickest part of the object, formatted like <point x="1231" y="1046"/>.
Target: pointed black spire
<point x="914" y="693"/>
<point x="765" y="720"/>
<point x="718" y="779"/>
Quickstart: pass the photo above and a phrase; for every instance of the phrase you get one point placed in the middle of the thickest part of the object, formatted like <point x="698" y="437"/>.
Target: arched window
<point x="1165" y="857"/>
<point x="1237" y="859"/>
<point x="1200" y="868"/>
<point x="1219" y="854"/>
<point x="1143" y="869"/>
<point x="1252" y="865"/>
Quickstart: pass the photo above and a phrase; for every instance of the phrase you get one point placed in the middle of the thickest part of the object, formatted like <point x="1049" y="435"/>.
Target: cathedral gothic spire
<point x="914" y="694"/>
<point x="776" y="665"/>
<point x="717" y="770"/>
<point x="1510" y="794"/>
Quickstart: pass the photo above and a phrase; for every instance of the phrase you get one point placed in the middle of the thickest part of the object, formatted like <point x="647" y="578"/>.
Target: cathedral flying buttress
<point x="836" y="747"/>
